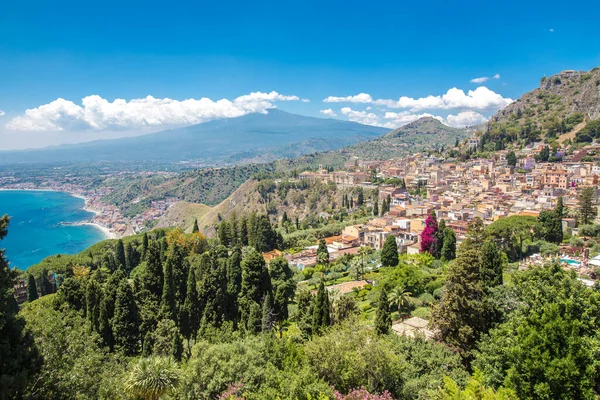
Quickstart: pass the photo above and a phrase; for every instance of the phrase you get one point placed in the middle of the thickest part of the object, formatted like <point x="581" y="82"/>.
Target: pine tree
<point x="255" y="277"/>
<point x="243" y="231"/>
<point x="587" y="212"/>
<point x="120" y="255"/>
<point x="389" y="253"/>
<point x="154" y="277"/>
<point x="125" y="323"/>
<point x="195" y="227"/>
<point x="32" y="293"/>
<point x="168" y="304"/>
<point x="282" y="281"/>
<point x="93" y="300"/>
<point x="383" y="319"/>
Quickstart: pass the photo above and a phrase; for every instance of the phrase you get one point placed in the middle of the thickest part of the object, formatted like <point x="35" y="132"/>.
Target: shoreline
<point x="108" y="233"/>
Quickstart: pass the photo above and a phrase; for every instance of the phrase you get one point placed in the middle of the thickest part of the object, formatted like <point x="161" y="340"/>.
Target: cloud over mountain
<point x="96" y="113"/>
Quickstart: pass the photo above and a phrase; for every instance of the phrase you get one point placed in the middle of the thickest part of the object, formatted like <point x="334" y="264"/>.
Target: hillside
<point x="423" y="134"/>
<point x="561" y="108"/>
<point x="251" y="138"/>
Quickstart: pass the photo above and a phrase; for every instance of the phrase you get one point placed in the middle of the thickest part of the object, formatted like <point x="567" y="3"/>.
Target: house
<point x="413" y="327"/>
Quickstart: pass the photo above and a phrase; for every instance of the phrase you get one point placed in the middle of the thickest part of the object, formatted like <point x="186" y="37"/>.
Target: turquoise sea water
<point x="36" y="227"/>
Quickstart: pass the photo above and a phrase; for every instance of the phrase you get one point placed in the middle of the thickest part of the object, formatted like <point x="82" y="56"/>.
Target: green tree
<point x="154" y="278"/>
<point x="490" y="268"/>
<point x="448" y="252"/>
<point x="152" y="378"/>
<point x="587" y="211"/>
<point x="46" y="287"/>
<point x="18" y="354"/>
<point x="322" y="253"/>
<point x="389" y="253"/>
<point x="195" y="227"/>
<point x="283" y="284"/>
<point x="383" y="320"/>
<point x="177" y="347"/>
<point x="511" y="232"/>
<point x="93" y="300"/>
<point x="190" y="313"/>
<point x="168" y="304"/>
<point x="125" y="323"/>
<point x="120" y="255"/>
<point x="376" y="208"/>
<point x="268" y="316"/>
<point x="144" y="245"/>
<point x="321" y="310"/>
<point x="511" y="159"/>
<point x="400" y="298"/>
<point x="32" y="293"/>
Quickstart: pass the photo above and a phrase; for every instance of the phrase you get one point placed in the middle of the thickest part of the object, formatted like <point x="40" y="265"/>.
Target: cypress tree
<point x="130" y="258"/>
<point x="46" y="287"/>
<point x="120" y="255"/>
<point x="376" y="208"/>
<point x="321" y="310"/>
<point x="190" y="315"/>
<point x="168" y="305"/>
<point x="147" y="345"/>
<point x="243" y="231"/>
<point x="125" y="323"/>
<point x="154" y="277"/>
<point x="389" y="253"/>
<point x="448" y="252"/>
<point x="587" y="212"/>
<point x="107" y="308"/>
<point x="195" y="227"/>
<point x="360" y="198"/>
<point x="267" y="314"/>
<point x="322" y="253"/>
<point x="93" y="300"/>
<point x="490" y="268"/>
<point x="282" y="281"/>
<point x="144" y="245"/>
<point x="255" y="277"/>
<point x="177" y="347"/>
<point x="234" y="283"/>
<point x="177" y="260"/>
<point x="32" y="293"/>
<point x="383" y="320"/>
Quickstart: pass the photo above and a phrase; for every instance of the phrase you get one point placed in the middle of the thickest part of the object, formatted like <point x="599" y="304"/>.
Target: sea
<point x="44" y="223"/>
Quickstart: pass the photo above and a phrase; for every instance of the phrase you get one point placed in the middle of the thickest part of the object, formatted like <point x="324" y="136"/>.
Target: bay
<point x="39" y="226"/>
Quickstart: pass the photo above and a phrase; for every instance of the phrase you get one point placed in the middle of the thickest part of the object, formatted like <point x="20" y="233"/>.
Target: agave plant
<point x="151" y="378"/>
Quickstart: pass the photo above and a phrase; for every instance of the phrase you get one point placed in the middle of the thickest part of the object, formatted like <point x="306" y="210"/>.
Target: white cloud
<point x="2" y="113"/>
<point x="306" y="100"/>
<point x="362" y="117"/>
<point x="481" y="98"/>
<point x="329" y="112"/>
<point x="551" y="30"/>
<point x="96" y="113"/>
<point x="359" y="98"/>
<point x="497" y="76"/>
<point x="479" y="80"/>
<point x="465" y="118"/>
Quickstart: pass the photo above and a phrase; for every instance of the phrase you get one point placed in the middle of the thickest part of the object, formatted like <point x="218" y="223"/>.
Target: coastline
<point x="108" y="233"/>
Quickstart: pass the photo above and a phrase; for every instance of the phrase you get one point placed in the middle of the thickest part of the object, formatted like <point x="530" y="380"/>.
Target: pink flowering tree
<point x="362" y="394"/>
<point x="429" y="235"/>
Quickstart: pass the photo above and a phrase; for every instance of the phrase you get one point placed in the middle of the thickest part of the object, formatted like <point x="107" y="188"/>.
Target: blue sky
<point x="309" y="50"/>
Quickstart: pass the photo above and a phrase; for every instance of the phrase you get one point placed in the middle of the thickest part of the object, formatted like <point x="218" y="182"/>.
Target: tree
<point x="587" y="211"/>
<point x="464" y="312"/>
<point x="120" y="255"/>
<point x="93" y="299"/>
<point x="268" y="317"/>
<point x="283" y="284"/>
<point x="383" y="320"/>
<point x="32" y="293"/>
<point x="511" y="159"/>
<point x="360" y="198"/>
<point x="125" y="323"/>
<point x="321" y="310"/>
<point x="190" y="314"/>
<point x="389" y="253"/>
<point x="154" y="278"/>
<point x="376" y="208"/>
<point x="490" y="268"/>
<point x="448" y="252"/>
<point x="429" y="235"/>
<point x="168" y="304"/>
<point x="322" y="253"/>
<point x="177" y="347"/>
<point x="152" y="378"/>
<point x="195" y="227"/>
<point x="544" y="154"/>
<point x="46" y="287"/>
<point x="400" y="298"/>
<point x="144" y="245"/>
<point x="511" y="232"/>
<point x="18" y="354"/>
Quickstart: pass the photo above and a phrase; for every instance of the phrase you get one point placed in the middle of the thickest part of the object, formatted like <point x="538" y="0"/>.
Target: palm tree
<point x="151" y="378"/>
<point x="400" y="298"/>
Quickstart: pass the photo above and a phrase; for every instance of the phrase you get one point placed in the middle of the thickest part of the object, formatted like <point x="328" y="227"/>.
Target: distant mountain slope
<point x="253" y="137"/>
<point x="563" y="103"/>
<point x="423" y="134"/>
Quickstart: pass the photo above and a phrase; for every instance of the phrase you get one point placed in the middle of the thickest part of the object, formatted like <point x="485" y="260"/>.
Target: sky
<point x="75" y="71"/>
